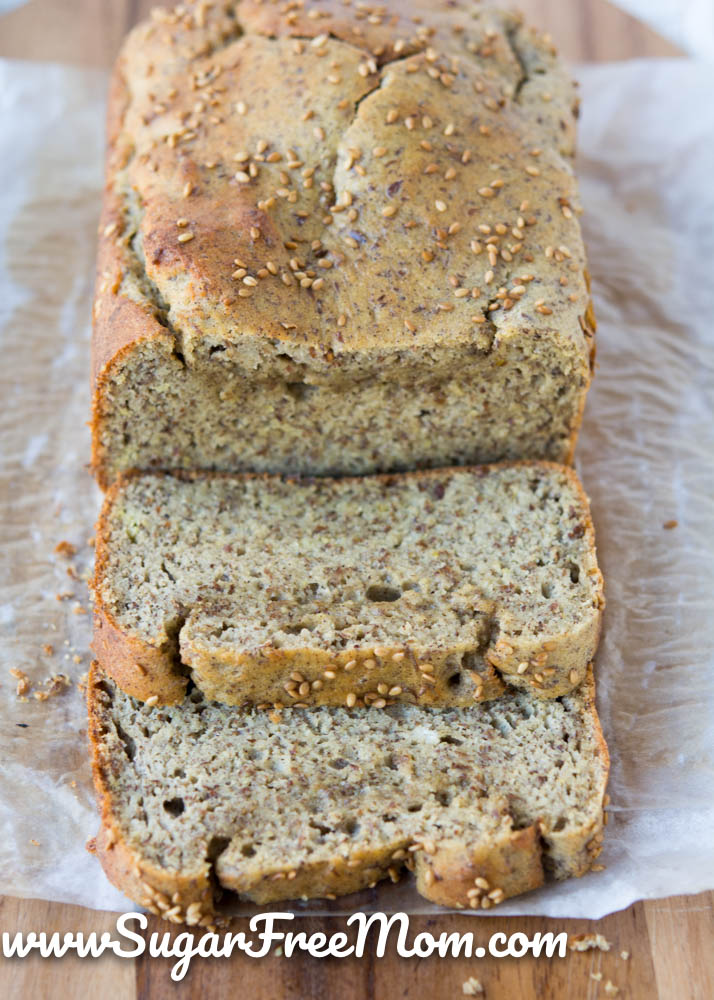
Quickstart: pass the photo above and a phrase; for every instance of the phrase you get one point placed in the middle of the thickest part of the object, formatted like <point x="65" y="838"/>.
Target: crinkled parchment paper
<point x="646" y="456"/>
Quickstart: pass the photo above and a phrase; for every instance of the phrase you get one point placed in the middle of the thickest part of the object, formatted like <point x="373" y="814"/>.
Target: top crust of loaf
<point x="338" y="190"/>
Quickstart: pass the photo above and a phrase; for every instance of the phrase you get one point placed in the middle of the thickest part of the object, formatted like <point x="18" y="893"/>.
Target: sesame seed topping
<point x="185" y="237"/>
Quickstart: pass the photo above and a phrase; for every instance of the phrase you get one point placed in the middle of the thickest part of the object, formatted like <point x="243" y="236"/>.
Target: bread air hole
<point x="451" y="740"/>
<point x="382" y="592"/>
<point x="247" y="850"/>
<point x="174" y="807"/>
<point x="299" y="390"/>
<point x="546" y="590"/>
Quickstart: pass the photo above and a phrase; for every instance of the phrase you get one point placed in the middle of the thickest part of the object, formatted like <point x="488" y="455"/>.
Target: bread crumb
<point x="588" y="942"/>
<point x="79" y="610"/>
<point x="668" y="525"/>
<point x="610" y="989"/>
<point x="597" y="976"/>
<point x="65" y="549"/>
<point x="64" y="595"/>
<point x="625" y="955"/>
<point x="473" y="988"/>
<point x="35" y="843"/>
<point x="47" y="649"/>
<point x="24" y="684"/>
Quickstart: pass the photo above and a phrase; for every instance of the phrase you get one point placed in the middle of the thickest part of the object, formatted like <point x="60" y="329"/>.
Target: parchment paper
<point x="646" y="456"/>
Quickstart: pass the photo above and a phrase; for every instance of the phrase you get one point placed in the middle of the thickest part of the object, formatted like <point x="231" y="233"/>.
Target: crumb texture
<point x="422" y="587"/>
<point x="314" y="796"/>
<point x="389" y="275"/>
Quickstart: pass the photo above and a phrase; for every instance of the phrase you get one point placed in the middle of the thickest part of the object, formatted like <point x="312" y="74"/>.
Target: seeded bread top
<point x="345" y="182"/>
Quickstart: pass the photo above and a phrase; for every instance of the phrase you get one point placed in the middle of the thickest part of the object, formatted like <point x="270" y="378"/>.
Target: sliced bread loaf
<point x="481" y="803"/>
<point x="426" y="587"/>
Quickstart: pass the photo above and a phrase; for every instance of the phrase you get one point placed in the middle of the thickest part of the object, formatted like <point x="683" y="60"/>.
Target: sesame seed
<point x="379" y="151"/>
<point x="532" y="170"/>
<point x="389" y="210"/>
<point x="185" y="237"/>
<point x="153" y="700"/>
<point x="242" y="176"/>
<point x="440" y="206"/>
<point x="351" y="699"/>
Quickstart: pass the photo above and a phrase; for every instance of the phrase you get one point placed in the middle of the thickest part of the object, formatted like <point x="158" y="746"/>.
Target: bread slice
<point x="373" y="263"/>
<point x="426" y="587"/>
<point x="481" y="803"/>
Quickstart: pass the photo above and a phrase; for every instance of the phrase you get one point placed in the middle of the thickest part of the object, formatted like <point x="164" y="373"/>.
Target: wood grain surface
<point x="669" y="942"/>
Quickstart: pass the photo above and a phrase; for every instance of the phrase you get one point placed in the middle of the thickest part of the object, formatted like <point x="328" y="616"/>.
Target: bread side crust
<point x="149" y="669"/>
<point x="460" y="875"/>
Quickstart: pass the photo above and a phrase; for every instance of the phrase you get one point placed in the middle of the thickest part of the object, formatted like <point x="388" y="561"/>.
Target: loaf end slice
<point x="481" y="803"/>
<point x="433" y="587"/>
<point x="365" y="269"/>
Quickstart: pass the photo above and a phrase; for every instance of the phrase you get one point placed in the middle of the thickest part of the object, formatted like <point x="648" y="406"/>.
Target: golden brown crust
<point x="152" y="670"/>
<point x="158" y="158"/>
<point x="450" y="873"/>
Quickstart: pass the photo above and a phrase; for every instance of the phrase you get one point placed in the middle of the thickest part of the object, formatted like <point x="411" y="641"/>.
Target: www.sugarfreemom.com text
<point x="265" y="935"/>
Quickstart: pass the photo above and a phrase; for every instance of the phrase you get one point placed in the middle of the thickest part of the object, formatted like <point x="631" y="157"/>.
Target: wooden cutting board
<point x="668" y="942"/>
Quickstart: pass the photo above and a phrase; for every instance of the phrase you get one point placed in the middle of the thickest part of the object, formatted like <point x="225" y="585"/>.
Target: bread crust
<point x="153" y="670"/>
<point x="456" y="874"/>
<point x="125" y="320"/>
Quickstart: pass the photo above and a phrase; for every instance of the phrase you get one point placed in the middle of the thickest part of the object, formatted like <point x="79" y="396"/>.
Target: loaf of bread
<point x="338" y="240"/>
<point x="481" y="803"/>
<point x="425" y="587"/>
